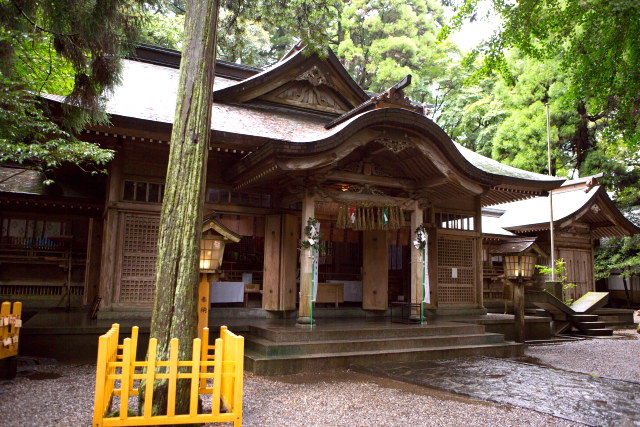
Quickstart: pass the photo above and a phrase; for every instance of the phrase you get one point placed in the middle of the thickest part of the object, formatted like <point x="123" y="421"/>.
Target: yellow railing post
<point x="150" y="374"/>
<point x="125" y="377"/>
<point x="217" y="377"/>
<point x="238" y="379"/>
<point x="173" y="377"/>
<point x="195" y="377"/>
<point x="101" y="377"/>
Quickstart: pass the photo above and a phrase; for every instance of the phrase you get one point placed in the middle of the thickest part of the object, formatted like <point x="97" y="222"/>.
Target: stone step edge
<point x="445" y="329"/>
<point x="260" y="340"/>
<point x="260" y="358"/>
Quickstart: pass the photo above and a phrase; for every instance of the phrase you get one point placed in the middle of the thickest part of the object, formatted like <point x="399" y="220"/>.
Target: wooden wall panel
<point x="375" y="272"/>
<point x="271" y="269"/>
<point x="280" y="253"/>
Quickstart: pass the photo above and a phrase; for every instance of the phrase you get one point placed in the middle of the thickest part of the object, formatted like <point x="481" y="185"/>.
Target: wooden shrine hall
<point x="295" y="141"/>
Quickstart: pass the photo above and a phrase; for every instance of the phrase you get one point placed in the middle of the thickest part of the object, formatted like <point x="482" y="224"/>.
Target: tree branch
<point x="38" y="27"/>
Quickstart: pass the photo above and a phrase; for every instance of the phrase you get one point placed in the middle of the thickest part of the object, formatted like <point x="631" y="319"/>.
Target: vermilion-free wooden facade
<point x="297" y="140"/>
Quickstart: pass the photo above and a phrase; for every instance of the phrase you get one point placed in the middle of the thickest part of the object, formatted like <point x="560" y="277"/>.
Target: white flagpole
<point x="551" y="234"/>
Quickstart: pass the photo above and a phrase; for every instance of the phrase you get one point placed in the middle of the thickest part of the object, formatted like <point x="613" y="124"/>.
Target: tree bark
<point x="175" y="305"/>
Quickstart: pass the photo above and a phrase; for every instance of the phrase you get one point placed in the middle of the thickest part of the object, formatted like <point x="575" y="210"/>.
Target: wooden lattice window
<point x="138" y="257"/>
<point x="456" y="272"/>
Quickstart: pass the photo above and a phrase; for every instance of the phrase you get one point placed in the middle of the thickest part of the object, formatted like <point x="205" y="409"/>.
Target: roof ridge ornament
<point x="396" y="97"/>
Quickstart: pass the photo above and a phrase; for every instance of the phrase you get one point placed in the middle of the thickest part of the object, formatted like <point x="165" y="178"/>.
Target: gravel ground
<point x="62" y="395"/>
<point x="615" y="357"/>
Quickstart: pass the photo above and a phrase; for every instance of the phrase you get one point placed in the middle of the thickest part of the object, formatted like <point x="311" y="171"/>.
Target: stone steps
<point x="590" y="325"/>
<point x="262" y="365"/>
<point x="302" y="333"/>
<point x="269" y="348"/>
<point x="288" y="350"/>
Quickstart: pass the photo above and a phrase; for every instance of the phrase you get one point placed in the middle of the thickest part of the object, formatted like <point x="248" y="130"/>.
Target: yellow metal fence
<point x="215" y="372"/>
<point x="10" y="324"/>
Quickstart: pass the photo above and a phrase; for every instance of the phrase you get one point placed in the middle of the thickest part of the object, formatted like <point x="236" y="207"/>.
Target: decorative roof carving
<point x="305" y="95"/>
<point x="393" y="145"/>
<point x="316" y="77"/>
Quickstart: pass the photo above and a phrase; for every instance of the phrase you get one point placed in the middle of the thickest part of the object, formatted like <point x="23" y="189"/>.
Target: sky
<point x="472" y="33"/>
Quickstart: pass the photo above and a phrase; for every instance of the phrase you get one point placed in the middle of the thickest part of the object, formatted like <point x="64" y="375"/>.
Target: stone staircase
<point x="275" y="351"/>
<point x="588" y="324"/>
<point x="580" y="315"/>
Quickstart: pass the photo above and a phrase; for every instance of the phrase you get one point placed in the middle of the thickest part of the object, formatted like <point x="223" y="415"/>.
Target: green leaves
<point x="28" y="136"/>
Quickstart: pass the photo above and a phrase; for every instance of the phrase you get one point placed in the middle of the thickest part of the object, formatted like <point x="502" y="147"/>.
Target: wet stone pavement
<point x="573" y="396"/>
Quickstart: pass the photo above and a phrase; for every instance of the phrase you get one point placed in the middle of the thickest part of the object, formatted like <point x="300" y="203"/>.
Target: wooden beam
<point x="350" y="197"/>
<point x="383" y="181"/>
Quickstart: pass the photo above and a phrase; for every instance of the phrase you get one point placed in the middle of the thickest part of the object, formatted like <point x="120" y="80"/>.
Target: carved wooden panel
<point x="303" y="94"/>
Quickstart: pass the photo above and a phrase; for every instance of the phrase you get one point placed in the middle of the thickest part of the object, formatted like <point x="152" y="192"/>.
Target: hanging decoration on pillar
<point x="312" y="241"/>
<point x="420" y="243"/>
<point x="366" y="217"/>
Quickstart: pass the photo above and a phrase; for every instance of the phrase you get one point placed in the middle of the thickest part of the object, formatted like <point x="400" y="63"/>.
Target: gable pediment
<point x="310" y="90"/>
<point x="310" y="82"/>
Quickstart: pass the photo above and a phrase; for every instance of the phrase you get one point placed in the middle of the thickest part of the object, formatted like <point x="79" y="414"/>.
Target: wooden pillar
<point x="304" y="309"/>
<point x="479" y="282"/>
<point x="416" y="258"/>
<point x="92" y="266"/>
<point x="518" y="310"/>
<point x="109" y="258"/>
<point x="375" y="270"/>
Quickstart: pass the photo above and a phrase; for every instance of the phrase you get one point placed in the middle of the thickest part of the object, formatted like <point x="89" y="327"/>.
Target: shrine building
<point x="295" y="141"/>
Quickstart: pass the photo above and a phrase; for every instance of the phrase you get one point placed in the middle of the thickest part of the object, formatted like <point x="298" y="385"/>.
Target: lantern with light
<point x="519" y="263"/>
<point x="519" y="266"/>
<point x="214" y="238"/>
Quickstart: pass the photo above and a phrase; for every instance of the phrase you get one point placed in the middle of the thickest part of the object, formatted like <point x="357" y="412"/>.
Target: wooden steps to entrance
<point x="275" y="351"/>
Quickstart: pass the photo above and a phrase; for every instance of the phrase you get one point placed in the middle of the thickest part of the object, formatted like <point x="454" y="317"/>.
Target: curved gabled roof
<point x="589" y="205"/>
<point x="430" y="150"/>
<point x="290" y="67"/>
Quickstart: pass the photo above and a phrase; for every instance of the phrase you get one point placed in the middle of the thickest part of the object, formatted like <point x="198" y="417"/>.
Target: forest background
<point x="582" y="58"/>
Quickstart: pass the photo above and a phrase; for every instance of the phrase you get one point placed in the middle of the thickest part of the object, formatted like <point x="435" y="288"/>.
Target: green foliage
<point x="622" y="253"/>
<point x="560" y="270"/>
<point x="69" y="48"/>
<point x="596" y="43"/>
<point x="250" y="32"/>
<point x="28" y="136"/>
<point x="382" y="41"/>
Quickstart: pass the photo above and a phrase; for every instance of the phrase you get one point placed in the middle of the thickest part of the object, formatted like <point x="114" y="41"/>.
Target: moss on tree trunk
<point x="175" y="306"/>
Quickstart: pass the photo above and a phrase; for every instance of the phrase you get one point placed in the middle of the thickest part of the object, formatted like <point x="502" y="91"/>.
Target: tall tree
<point x="63" y="47"/>
<point x="382" y="41"/>
<point x="174" y="310"/>
<point x="597" y="41"/>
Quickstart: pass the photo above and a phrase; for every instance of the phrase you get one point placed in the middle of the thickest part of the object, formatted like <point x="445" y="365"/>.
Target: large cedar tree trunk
<point x="175" y="306"/>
